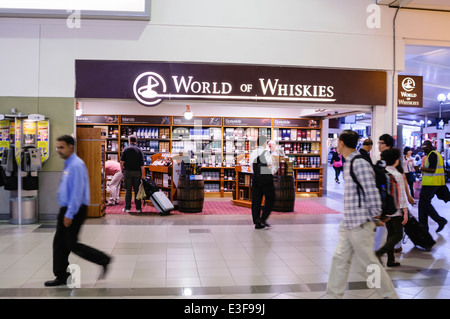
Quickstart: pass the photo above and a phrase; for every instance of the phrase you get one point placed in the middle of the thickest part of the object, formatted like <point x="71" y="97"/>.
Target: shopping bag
<point x="141" y="192"/>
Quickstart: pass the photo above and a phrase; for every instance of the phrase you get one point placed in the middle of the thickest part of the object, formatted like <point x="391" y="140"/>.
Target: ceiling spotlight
<point x="448" y="96"/>
<point x="441" y="97"/>
<point x="188" y="113"/>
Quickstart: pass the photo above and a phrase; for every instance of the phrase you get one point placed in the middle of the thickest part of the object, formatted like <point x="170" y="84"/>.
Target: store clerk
<point x="262" y="184"/>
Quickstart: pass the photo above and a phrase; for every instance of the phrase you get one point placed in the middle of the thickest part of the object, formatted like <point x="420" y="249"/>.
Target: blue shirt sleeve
<point x="74" y="187"/>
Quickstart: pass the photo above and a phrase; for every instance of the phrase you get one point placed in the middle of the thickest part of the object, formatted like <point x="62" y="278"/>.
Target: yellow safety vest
<point x="438" y="177"/>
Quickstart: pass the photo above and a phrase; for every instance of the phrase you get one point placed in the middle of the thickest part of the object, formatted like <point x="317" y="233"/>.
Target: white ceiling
<point x="418" y="4"/>
<point x="433" y="63"/>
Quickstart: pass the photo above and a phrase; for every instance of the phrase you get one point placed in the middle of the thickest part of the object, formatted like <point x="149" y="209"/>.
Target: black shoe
<point x="259" y="226"/>
<point x="441" y="226"/>
<point x="105" y="269"/>
<point x="55" y="282"/>
<point x="268" y="226"/>
<point x="393" y="264"/>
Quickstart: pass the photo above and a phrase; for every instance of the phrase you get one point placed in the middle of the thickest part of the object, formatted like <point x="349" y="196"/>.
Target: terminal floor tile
<point x="208" y="256"/>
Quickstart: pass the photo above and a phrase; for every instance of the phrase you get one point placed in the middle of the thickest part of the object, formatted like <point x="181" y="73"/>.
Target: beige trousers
<point x="359" y="242"/>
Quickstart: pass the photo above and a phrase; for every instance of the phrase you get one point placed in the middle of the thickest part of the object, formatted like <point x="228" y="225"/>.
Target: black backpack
<point x="150" y="186"/>
<point x="386" y="184"/>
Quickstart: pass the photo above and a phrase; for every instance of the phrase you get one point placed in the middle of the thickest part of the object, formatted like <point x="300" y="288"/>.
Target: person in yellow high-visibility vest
<point x="433" y="176"/>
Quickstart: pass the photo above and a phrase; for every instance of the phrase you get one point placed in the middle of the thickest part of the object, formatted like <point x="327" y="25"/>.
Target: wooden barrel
<point x="190" y="195"/>
<point x="284" y="193"/>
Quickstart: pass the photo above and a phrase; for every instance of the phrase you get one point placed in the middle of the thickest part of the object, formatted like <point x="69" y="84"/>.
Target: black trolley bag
<point x="418" y="235"/>
<point x="159" y="200"/>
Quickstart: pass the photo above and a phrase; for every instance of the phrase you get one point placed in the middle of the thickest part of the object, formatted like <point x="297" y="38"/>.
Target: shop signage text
<point x="236" y="121"/>
<point x="410" y="91"/>
<point x="150" y="83"/>
<point x="296" y="123"/>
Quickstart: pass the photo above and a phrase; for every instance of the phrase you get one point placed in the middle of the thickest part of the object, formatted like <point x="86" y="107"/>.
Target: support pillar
<point x="384" y="118"/>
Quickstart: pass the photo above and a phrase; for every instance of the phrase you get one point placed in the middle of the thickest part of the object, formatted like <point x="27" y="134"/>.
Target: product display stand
<point x="243" y="190"/>
<point x="161" y="171"/>
<point x="284" y="185"/>
<point x="90" y="148"/>
<point x="300" y="141"/>
<point x="216" y="143"/>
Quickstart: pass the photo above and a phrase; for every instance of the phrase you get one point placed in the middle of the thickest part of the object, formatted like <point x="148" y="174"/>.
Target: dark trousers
<point x="337" y="172"/>
<point x="394" y="229"/>
<point x="426" y="209"/>
<point x="132" y="180"/>
<point x="66" y="241"/>
<point x="410" y="177"/>
<point x="262" y="185"/>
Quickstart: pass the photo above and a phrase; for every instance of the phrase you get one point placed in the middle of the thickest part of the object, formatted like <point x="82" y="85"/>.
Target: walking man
<point x="73" y="198"/>
<point x="433" y="176"/>
<point x="356" y="232"/>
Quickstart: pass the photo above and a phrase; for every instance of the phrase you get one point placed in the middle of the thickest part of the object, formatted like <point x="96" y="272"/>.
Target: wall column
<point x="384" y="118"/>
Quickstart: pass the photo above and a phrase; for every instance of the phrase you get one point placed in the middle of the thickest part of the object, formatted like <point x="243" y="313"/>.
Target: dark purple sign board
<point x="150" y="83"/>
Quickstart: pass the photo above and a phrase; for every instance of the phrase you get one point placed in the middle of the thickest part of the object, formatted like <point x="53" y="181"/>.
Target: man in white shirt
<point x="262" y="184"/>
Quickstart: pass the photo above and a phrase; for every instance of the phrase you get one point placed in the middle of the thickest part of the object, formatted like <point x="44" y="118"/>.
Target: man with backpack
<point x="356" y="232"/>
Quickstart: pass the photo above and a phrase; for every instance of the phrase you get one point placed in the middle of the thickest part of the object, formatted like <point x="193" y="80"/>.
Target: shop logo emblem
<point x="408" y="84"/>
<point x="149" y="88"/>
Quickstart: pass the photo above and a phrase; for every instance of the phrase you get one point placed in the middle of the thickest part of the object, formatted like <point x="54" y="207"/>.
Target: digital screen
<point x="89" y="9"/>
<point x="351" y="119"/>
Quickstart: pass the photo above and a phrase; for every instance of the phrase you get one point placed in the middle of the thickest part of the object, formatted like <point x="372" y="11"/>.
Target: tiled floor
<point x="213" y="257"/>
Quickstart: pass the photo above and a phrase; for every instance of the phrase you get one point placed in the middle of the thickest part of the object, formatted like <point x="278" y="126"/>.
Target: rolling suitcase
<point x="162" y="204"/>
<point x="418" y="235"/>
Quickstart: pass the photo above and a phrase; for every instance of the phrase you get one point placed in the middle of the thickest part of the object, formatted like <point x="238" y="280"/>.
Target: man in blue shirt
<point x="73" y="198"/>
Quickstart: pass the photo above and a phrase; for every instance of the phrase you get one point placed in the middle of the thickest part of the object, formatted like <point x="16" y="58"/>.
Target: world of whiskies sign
<point x="410" y="91"/>
<point x="150" y="83"/>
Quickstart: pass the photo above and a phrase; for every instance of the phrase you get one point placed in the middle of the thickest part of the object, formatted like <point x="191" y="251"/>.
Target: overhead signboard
<point x="89" y="9"/>
<point x="150" y="83"/>
<point x="410" y="91"/>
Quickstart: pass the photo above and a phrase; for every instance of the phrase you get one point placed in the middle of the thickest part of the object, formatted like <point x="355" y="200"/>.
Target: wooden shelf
<point x="167" y="126"/>
<point x="89" y="148"/>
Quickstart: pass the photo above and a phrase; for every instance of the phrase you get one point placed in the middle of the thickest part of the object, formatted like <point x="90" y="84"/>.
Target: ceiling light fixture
<point x="441" y="97"/>
<point x="188" y="113"/>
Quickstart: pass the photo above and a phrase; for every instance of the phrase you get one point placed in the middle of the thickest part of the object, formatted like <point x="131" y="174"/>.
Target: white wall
<point x="37" y="55"/>
<point x="283" y="32"/>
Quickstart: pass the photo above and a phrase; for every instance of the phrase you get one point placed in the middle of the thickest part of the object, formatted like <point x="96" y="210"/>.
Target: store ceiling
<point x="443" y="5"/>
<point x="433" y="63"/>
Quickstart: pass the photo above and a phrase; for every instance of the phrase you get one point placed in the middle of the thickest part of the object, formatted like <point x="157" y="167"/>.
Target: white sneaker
<point x="126" y="210"/>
